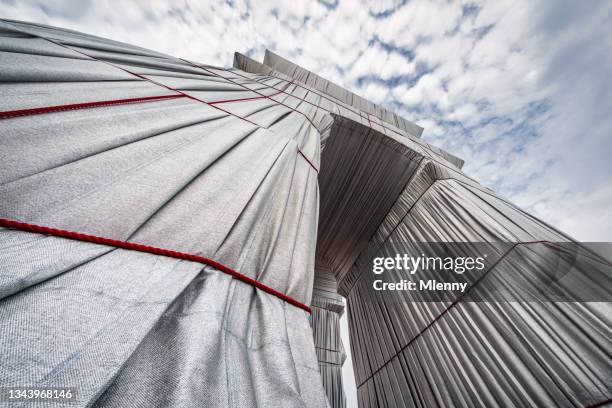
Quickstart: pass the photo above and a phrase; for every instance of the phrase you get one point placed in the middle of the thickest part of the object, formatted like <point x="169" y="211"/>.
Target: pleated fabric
<point x="235" y="182"/>
<point x="385" y="193"/>
<point x="495" y="353"/>
<point x="327" y="309"/>
<point x="287" y="178"/>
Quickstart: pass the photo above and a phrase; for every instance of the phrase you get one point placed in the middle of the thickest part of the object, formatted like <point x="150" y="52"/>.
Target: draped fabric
<point x="327" y="309"/>
<point x="496" y="353"/>
<point x="388" y="193"/>
<point x="113" y="140"/>
<point x="397" y="198"/>
<point x="126" y="328"/>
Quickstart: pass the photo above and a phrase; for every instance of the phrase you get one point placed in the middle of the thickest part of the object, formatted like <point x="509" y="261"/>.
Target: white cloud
<point x="417" y="19"/>
<point x="374" y="92"/>
<point x="427" y="92"/>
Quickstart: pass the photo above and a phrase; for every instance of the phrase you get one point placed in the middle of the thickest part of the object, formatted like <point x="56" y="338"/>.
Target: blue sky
<point x="519" y="89"/>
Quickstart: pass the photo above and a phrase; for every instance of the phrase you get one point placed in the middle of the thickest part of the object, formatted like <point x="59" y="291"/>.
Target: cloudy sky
<point x="519" y="89"/>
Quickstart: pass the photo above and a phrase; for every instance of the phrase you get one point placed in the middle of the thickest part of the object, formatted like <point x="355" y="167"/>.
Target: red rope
<point x="344" y="105"/>
<point x="279" y="91"/>
<point x="236" y="100"/>
<point x="307" y="160"/>
<point x="180" y="94"/>
<point x="83" y="105"/>
<point x="97" y="104"/>
<point x="262" y="96"/>
<point x="152" y="250"/>
<point x="600" y="404"/>
<point x="454" y="303"/>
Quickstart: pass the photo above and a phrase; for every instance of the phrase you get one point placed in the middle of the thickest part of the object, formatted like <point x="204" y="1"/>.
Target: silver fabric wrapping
<point x="330" y="353"/>
<point x="237" y="181"/>
<point x="313" y="80"/>
<point x="327" y="308"/>
<point x="418" y="354"/>
<point x="132" y="329"/>
<point x="378" y="188"/>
